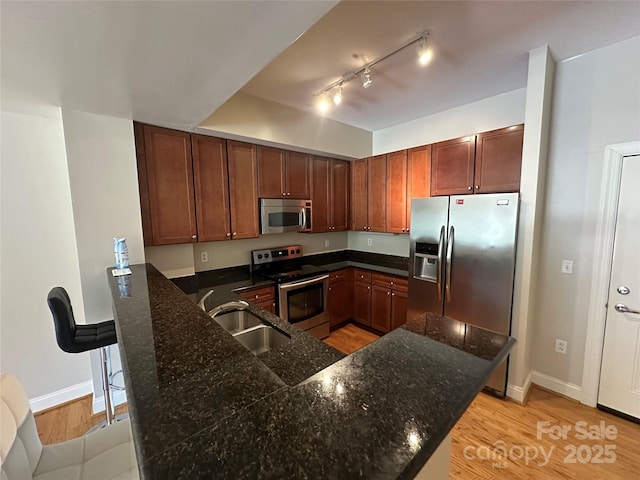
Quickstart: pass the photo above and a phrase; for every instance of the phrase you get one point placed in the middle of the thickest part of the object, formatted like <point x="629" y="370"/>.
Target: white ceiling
<point x="164" y="62"/>
<point x="175" y="62"/>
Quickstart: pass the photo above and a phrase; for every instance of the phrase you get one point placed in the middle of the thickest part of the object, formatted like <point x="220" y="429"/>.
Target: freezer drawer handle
<point x="440" y="260"/>
<point x="448" y="268"/>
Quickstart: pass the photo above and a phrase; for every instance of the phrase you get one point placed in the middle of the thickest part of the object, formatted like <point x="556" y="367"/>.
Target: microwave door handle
<point x="303" y="216"/>
<point x="448" y="268"/>
<point x="292" y="285"/>
<point x="440" y="262"/>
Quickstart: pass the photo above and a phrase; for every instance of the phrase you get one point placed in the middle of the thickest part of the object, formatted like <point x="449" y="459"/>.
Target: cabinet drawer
<point x="338" y="276"/>
<point x="258" y="295"/>
<point x="395" y="283"/>
<point x="362" y="275"/>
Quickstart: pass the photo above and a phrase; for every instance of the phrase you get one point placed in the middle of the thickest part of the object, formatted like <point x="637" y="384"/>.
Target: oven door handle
<point x="291" y="285"/>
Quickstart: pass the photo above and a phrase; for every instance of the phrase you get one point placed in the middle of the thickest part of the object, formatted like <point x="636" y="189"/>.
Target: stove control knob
<point x="266" y="255"/>
<point x="297" y="250"/>
<point x="292" y="252"/>
<point x="259" y="256"/>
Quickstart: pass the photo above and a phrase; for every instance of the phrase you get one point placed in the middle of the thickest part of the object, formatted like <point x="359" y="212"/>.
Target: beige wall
<point x="596" y="103"/>
<point x="38" y="252"/>
<point x="248" y="118"/>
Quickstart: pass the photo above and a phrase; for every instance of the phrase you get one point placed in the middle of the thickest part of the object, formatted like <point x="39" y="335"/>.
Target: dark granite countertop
<point x="202" y="406"/>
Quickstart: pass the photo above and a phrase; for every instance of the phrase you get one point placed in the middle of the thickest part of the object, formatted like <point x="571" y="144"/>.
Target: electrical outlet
<point x="561" y="346"/>
<point x="204" y="257"/>
<point x="326" y="242"/>
<point x="369" y="242"/>
<point x="567" y="267"/>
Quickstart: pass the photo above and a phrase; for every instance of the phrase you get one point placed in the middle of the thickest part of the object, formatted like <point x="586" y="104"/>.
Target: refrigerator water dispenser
<point x="425" y="265"/>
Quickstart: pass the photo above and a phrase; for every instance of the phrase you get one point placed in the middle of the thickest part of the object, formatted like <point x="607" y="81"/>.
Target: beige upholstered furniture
<point x="101" y="455"/>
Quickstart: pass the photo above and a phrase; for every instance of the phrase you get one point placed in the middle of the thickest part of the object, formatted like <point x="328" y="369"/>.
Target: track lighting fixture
<point x="337" y="98"/>
<point x="424" y="56"/>
<point x="366" y="78"/>
<point x="424" y="53"/>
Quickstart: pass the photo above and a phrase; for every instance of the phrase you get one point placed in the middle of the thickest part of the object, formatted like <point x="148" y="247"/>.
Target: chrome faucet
<point x="225" y="307"/>
<point x="203" y="299"/>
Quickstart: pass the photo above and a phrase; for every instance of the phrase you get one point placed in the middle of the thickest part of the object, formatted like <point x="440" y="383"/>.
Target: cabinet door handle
<point x="284" y="194"/>
<point x="233" y="234"/>
<point x="393" y="294"/>
<point x="368" y="288"/>
<point x="228" y="234"/>
<point x="257" y="296"/>
<point x="288" y="194"/>
<point x="388" y="293"/>
<point x="194" y="236"/>
<point x="477" y="187"/>
<point x="469" y="188"/>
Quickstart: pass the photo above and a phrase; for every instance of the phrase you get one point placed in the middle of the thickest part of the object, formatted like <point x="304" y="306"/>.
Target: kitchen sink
<point x="261" y="339"/>
<point x="236" y="321"/>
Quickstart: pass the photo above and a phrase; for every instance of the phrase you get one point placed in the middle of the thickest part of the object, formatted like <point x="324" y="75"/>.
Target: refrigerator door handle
<point x="448" y="267"/>
<point x="440" y="261"/>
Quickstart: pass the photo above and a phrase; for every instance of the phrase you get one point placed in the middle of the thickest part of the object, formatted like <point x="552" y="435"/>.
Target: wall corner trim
<point x="520" y="394"/>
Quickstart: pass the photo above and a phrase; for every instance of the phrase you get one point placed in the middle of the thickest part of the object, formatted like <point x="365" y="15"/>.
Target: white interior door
<point x="620" y="373"/>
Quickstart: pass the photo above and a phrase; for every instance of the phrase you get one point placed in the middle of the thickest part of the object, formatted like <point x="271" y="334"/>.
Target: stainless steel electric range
<point x="301" y="297"/>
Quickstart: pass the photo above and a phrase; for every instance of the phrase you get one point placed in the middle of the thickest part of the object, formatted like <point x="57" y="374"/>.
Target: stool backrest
<point x="63" y="319"/>
<point x="20" y="446"/>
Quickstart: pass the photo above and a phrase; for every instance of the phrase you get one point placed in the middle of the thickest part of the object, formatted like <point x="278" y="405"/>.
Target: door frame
<point x="602" y="264"/>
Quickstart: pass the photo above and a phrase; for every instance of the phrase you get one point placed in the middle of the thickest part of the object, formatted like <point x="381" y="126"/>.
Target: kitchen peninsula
<point x="202" y="406"/>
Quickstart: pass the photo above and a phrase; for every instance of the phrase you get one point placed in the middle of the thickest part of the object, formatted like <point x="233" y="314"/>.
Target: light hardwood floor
<point x="489" y="427"/>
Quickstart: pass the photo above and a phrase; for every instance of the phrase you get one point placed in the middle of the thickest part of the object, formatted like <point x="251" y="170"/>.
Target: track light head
<point x="337" y="97"/>
<point x="366" y="78"/>
<point x="424" y="53"/>
<point x="323" y="104"/>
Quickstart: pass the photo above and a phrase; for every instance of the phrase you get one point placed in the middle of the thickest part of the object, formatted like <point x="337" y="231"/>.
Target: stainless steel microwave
<point x="280" y="216"/>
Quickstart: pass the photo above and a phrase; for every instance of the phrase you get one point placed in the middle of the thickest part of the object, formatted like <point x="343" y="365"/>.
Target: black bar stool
<point x="74" y="338"/>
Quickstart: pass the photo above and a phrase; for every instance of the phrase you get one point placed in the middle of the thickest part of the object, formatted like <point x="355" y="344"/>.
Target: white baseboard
<point x="570" y="390"/>
<point x="519" y="394"/>
<point x="61" y="396"/>
<point x="117" y="396"/>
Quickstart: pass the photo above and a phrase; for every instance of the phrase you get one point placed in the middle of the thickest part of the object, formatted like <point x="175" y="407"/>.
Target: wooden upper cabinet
<point x="397" y="192"/>
<point x="359" y="197"/>
<point x="339" y="195"/>
<point x="166" y="185"/>
<point x="452" y="166"/>
<point x="211" y="187"/>
<point x="376" y="193"/>
<point x="418" y="177"/>
<point x="320" y="194"/>
<point x="499" y="160"/>
<point x="329" y="194"/>
<point x="243" y="189"/>
<point x="297" y="175"/>
<point x="282" y="174"/>
<point x="271" y="174"/>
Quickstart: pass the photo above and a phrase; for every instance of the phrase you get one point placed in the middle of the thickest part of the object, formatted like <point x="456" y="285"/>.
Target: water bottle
<point x="121" y="251"/>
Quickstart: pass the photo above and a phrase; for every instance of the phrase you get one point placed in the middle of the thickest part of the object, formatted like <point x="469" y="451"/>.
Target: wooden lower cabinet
<point x="380" y="308"/>
<point x="398" y="308"/>
<point x="264" y="297"/>
<point x="339" y="301"/>
<point x="362" y="303"/>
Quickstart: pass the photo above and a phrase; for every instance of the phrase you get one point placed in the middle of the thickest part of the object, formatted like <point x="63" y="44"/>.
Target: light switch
<point x="567" y="267"/>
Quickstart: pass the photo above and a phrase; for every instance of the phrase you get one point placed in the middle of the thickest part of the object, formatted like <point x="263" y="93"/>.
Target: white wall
<point x="488" y="114"/>
<point x="596" y="103"/>
<point x="38" y="252"/>
<point x="101" y="159"/>
<point x="248" y="118"/>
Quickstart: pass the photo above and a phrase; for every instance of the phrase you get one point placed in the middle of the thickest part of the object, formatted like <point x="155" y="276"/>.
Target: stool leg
<point x="106" y="388"/>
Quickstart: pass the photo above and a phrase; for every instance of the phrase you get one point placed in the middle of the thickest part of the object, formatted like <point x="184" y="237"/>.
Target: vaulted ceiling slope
<point x="175" y="62"/>
<point x="170" y="63"/>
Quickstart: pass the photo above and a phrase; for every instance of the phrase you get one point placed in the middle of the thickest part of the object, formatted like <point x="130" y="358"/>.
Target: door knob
<point x="621" y="307"/>
<point x="622" y="290"/>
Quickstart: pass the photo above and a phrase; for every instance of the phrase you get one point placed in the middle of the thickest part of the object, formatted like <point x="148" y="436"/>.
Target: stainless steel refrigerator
<point x="462" y="262"/>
